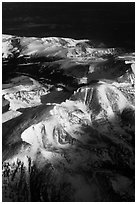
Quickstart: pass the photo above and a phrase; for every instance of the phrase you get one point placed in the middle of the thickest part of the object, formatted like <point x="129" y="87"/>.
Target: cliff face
<point x="69" y="132"/>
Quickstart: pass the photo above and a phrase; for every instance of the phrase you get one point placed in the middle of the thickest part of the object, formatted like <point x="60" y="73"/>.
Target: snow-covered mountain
<point x="68" y="120"/>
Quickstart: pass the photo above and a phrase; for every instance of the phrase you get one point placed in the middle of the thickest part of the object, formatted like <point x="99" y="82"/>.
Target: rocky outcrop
<point x="5" y="105"/>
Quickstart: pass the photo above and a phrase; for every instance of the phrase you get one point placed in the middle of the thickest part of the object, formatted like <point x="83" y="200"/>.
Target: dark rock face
<point x="74" y="138"/>
<point x="5" y="105"/>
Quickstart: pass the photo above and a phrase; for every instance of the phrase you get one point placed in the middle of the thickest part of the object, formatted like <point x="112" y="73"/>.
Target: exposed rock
<point x="5" y="105"/>
<point x="23" y="95"/>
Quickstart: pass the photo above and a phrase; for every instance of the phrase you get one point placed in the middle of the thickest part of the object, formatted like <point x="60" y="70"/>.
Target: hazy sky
<point x="112" y="22"/>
